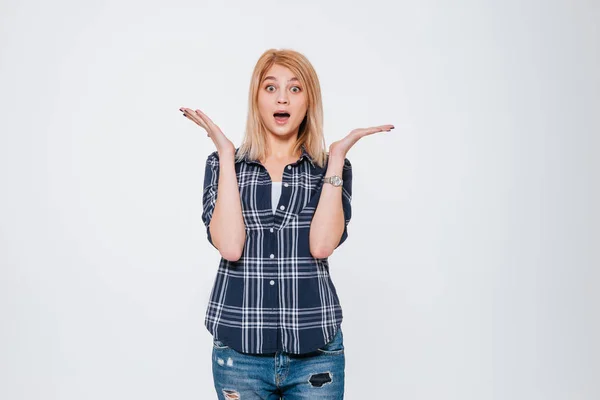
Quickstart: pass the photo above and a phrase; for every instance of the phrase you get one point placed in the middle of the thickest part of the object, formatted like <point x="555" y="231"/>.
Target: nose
<point x="282" y="97"/>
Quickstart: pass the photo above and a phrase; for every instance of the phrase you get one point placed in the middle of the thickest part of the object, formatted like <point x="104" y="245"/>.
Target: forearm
<point x="328" y="222"/>
<point x="227" y="227"/>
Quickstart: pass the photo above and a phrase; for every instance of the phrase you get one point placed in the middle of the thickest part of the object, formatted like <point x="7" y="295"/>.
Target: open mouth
<point x="281" y="118"/>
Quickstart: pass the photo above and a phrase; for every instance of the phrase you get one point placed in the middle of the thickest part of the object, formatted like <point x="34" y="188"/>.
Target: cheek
<point x="303" y="108"/>
<point x="263" y="109"/>
<point x="302" y="112"/>
<point x="301" y="116"/>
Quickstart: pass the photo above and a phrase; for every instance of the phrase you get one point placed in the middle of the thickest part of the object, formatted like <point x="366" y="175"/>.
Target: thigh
<point x="242" y="376"/>
<point x="317" y="375"/>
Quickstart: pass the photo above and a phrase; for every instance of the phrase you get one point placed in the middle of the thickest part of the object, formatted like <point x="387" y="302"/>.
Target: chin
<point x="283" y="130"/>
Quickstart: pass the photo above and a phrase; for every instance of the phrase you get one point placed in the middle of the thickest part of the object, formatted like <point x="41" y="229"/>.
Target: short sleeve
<point x="346" y="197"/>
<point x="209" y="196"/>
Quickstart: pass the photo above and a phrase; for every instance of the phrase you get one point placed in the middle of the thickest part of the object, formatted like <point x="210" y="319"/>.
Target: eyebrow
<point x="294" y="79"/>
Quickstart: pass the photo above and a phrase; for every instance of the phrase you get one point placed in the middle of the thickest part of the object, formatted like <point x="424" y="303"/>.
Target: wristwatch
<point x="335" y="180"/>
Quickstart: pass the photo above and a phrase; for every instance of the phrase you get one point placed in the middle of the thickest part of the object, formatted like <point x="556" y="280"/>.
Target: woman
<point x="276" y="208"/>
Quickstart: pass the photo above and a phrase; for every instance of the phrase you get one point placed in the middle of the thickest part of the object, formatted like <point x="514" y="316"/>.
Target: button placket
<point x="282" y="207"/>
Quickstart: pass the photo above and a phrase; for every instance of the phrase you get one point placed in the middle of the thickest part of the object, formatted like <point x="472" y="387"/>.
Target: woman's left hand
<point x="340" y="148"/>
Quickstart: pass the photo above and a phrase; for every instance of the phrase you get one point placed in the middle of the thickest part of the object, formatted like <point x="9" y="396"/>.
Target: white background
<point x="471" y="266"/>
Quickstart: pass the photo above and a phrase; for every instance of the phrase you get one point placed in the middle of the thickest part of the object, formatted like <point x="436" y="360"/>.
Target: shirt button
<point x="272" y="256"/>
<point x="289" y="167"/>
<point x="286" y="184"/>
<point x="271" y="230"/>
<point x="282" y="208"/>
<point x="272" y="282"/>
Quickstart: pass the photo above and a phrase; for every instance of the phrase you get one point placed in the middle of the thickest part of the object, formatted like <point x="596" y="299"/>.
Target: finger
<point x="197" y="120"/>
<point x="194" y="118"/>
<point x="205" y="118"/>
<point x="189" y="113"/>
<point x="380" y="128"/>
<point x="198" y="117"/>
<point x="369" y="131"/>
<point x="212" y="127"/>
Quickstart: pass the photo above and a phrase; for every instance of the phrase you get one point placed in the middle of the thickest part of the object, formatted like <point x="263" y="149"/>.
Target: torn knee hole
<point x="231" y="394"/>
<point x="318" y="380"/>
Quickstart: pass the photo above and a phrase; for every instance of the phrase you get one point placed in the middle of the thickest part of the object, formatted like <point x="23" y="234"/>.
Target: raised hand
<point x="222" y="143"/>
<point x="340" y="148"/>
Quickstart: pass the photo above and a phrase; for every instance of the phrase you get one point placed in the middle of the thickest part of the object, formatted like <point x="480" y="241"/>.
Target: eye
<point x="269" y="86"/>
<point x="296" y="87"/>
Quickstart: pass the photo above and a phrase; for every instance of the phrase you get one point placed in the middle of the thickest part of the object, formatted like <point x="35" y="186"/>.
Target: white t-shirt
<point x="275" y="194"/>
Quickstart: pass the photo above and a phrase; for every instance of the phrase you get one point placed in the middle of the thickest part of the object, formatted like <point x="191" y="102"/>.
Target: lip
<point x="284" y="122"/>
<point x="281" y="122"/>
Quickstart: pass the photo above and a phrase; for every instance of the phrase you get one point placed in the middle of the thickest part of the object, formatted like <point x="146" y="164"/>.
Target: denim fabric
<point x="315" y="375"/>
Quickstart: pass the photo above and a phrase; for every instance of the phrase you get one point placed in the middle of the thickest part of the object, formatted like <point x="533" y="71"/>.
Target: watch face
<point x="337" y="181"/>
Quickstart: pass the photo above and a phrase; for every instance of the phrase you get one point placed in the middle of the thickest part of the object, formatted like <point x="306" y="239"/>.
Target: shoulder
<point x="214" y="155"/>
<point x="213" y="158"/>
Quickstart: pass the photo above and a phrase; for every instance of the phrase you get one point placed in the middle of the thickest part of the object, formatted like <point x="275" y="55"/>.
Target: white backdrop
<point x="471" y="266"/>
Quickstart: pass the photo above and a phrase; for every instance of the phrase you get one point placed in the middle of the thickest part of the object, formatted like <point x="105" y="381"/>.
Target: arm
<point x="328" y="228"/>
<point x="222" y="208"/>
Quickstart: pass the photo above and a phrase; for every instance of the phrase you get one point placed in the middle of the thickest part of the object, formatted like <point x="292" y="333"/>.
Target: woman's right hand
<point x="222" y="143"/>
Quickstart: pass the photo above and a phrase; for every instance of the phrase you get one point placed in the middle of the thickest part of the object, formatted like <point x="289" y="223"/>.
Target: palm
<point x="212" y="130"/>
<point x="342" y="146"/>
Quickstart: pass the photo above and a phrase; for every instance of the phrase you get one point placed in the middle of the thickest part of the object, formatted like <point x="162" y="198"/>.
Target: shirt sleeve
<point x="346" y="198"/>
<point x="209" y="196"/>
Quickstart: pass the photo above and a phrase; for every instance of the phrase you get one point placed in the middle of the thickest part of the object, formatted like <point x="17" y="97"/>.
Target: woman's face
<point x="281" y="92"/>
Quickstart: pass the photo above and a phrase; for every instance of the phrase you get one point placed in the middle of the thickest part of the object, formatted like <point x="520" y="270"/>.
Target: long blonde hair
<point x="310" y="131"/>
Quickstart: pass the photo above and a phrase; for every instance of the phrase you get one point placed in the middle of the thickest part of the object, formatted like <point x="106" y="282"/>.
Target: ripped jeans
<point x="316" y="375"/>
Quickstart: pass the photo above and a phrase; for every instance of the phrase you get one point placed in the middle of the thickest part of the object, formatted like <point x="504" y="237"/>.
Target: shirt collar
<point x="302" y="156"/>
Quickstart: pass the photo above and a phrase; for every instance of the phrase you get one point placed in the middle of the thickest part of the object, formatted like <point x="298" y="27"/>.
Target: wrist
<point x="226" y="153"/>
<point x="336" y="159"/>
<point x="336" y="152"/>
<point x="334" y="180"/>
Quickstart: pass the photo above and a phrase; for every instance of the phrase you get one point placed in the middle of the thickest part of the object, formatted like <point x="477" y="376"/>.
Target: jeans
<point x="315" y="375"/>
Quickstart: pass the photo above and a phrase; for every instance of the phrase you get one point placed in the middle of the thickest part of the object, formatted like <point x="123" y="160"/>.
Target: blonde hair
<point x="310" y="131"/>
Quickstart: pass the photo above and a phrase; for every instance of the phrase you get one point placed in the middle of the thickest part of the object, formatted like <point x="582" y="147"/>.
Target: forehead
<point x="280" y="73"/>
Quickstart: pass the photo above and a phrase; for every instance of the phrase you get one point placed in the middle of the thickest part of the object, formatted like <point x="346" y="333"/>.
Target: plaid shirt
<point x="277" y="296"/>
